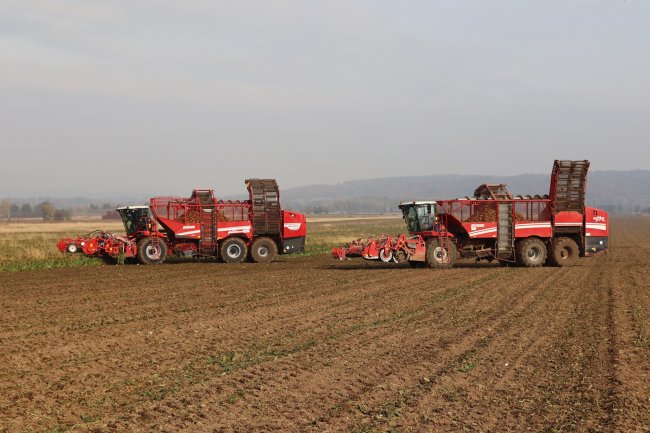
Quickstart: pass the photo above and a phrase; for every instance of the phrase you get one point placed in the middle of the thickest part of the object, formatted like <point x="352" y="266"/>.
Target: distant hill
<point x="617" y="191"/>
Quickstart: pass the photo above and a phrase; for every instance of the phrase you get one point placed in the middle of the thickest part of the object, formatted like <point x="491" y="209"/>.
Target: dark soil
<point x="316" y="345"/>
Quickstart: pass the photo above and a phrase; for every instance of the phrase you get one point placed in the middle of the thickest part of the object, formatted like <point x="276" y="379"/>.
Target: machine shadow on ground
<point x="374" y="265"/>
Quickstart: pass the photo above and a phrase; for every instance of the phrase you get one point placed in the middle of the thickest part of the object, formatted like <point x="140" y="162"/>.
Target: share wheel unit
<point x="439" y="257"/>
<point x="72" y="248"/>
<point x="563" y="252"/>
<point x="264" y="250"/>
<point x="531" y="253"/>
<point x="386" y="256"/>
<point x="233" y="250"/>
<point x="400" y="257"/>
<point x="150" y="253"/>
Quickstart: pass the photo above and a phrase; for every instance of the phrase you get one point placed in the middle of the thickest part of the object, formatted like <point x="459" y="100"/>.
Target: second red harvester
<point x="530" y="231"/>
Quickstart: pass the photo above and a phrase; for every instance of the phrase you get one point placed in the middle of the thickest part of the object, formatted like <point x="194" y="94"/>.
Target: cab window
<point x="426" y="217"/>
<point x="420" y="218"/>
<point x="412" y="221"/>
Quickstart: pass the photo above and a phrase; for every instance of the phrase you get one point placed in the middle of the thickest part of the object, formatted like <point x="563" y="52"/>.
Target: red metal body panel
<point x="240" y="228"/>
<point x="540" y="229"/>
<point x="569" y="219"/>
<point x="523" y="229"/>
<point x="181" y="229"/>
<point x="480" y="229"/>
<point x="294" y="224"/>
<point x="596" y="222"/>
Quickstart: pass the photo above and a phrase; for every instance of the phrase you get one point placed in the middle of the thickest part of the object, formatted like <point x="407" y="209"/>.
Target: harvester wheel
<point x="233" y="250"/>
<point x="439" y="257"/>
<point x="72" y="248"/>
<point x="386" y="257"/>
<point x="148" y="254"/>
<point x="531" y="253"/>
<point x="563" y="252"/>
<point x="264" y="250"/>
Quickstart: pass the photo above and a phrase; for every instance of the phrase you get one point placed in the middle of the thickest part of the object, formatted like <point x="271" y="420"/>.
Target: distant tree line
<point x="95" y="208"/>
<point x="45" y="210"/>
<point x="352" y="205"/>
<point x="49" y="210"/>
<point x="620" y="209"/>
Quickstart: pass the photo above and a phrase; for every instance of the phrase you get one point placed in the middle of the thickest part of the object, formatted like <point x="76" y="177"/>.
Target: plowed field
<point x="309" y="344"/>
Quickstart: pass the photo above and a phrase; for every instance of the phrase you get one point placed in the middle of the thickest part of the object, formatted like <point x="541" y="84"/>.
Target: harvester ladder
<point x="208" y="240"/>
<point x="505" y="231"/>
<point x="443" y="236"/>
<point x="152" y="224"/>
<point x="204" y="202"/>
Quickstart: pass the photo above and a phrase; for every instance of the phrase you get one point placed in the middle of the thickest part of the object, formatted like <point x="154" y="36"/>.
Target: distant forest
<point x="54" y="209"/>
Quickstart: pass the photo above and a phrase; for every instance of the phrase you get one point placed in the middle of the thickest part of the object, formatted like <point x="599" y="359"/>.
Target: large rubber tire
<point x="531" y="253"/>
<point x="233" y="250"/>
<point x="146" y="253"/>
<point x="438" y="257"/>
<point x="264" y="250"/>
<point x="563" y="252"/>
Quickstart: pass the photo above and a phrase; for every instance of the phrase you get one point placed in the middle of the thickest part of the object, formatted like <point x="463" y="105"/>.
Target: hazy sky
<point x="157" y="97"/>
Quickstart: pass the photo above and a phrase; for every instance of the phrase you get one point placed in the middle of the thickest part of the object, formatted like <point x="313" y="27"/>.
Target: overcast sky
<point x="157" y="97"/>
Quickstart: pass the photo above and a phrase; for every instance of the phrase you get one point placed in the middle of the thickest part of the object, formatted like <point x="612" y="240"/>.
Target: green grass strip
<point x="64" y="262"/>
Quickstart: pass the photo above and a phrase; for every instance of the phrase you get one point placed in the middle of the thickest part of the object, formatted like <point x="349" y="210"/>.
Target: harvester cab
<point x="135" y="218"/>
<point x="419" y="216"/>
